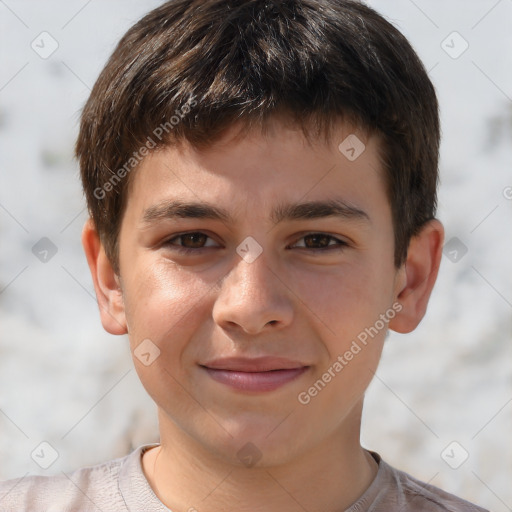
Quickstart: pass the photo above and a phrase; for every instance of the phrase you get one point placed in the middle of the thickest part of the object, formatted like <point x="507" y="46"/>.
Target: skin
<point x="292" y="301"/>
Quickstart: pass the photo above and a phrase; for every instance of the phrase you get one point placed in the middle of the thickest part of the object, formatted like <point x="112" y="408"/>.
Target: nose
<point x="253" y="298"/>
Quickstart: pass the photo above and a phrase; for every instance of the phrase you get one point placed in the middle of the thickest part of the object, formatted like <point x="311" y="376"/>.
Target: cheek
<point x="347" y="297"/>
<point x="163" y="306"/>
<point x="161" y="300"/>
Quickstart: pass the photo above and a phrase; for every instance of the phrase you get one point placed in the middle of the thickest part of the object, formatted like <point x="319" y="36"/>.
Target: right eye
<point x="191" y="242"/>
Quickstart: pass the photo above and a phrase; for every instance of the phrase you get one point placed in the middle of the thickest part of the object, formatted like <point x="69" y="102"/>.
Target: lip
<point x="253" y="364"/>
<point x="256" y="374"/>
<point x="255" y="381"/>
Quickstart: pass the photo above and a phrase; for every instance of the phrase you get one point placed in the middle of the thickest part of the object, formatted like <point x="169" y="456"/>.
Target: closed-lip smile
<point x="254" y="374"/>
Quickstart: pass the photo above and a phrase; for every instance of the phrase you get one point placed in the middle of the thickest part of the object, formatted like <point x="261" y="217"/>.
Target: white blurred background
<point x="65" y="381"/>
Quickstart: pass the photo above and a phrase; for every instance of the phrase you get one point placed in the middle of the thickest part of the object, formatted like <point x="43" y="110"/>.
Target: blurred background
<point x="440" y="406"/>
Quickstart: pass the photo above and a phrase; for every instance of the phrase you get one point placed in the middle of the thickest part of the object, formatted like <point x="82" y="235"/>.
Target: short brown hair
<point x="189" y="70"/>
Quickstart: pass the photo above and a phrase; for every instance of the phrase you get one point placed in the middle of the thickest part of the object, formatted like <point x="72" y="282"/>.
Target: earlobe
<point x="419" y="275"/>
<point x="106" y="282"/>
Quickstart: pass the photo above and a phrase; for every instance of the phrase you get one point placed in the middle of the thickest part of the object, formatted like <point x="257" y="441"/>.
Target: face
<point x="258" y="312"/>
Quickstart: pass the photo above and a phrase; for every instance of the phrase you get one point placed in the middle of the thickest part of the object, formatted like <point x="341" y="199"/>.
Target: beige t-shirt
<point x="121" y="486"/>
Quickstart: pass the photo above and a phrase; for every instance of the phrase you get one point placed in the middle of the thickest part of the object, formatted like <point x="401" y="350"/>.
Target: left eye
<point x="321" y="241"/>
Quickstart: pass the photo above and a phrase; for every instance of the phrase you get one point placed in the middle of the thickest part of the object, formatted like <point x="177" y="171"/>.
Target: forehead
<point x="279" y="165"/>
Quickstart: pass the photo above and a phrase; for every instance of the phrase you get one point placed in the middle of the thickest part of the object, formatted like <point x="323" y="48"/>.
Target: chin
<point x="259" y="442"/>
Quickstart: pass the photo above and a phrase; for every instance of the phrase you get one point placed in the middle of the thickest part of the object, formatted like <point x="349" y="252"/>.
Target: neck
<point x="331" y="476"/>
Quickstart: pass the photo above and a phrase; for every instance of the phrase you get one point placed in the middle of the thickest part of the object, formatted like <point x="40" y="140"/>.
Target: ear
<point x="106" y="282"/>
<point x="417" y="276"/>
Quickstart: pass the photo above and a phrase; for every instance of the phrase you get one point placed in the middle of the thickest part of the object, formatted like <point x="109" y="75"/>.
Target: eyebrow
<point x="172" y="209"/>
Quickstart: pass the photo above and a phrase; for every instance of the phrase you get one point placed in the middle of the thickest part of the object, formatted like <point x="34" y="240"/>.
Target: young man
<point x="261" y="179"/>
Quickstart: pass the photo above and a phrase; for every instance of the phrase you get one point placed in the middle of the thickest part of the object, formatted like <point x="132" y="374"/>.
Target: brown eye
<point x="319" y="241"/>
<point x="189" y="242"/>
<point x="193" y="240"/>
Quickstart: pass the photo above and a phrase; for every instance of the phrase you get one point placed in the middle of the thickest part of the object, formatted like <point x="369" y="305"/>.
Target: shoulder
<point x="86" y="489"/>
<point x="398" y="490"/>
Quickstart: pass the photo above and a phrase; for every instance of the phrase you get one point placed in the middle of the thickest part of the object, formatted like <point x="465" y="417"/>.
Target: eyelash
<point x="186" y="250"/>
